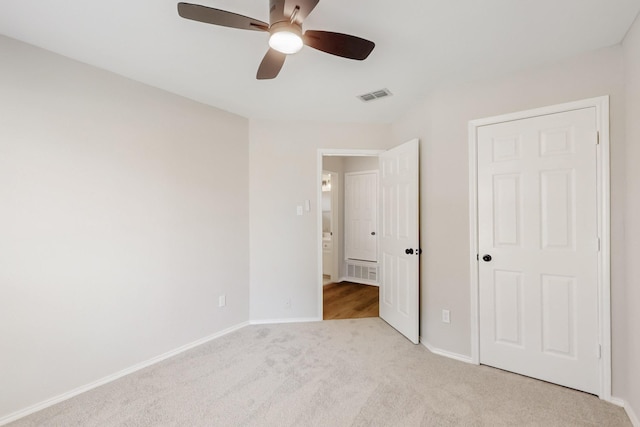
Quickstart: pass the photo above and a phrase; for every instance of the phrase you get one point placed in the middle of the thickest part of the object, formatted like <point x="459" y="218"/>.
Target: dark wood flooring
<point x="348" y="300"/>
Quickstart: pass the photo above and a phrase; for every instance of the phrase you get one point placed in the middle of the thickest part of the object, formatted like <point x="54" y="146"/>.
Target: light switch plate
<point x="299" y="210"/>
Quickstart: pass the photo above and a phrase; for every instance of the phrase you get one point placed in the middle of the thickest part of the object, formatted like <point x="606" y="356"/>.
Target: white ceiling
<point x="420" y="44"/>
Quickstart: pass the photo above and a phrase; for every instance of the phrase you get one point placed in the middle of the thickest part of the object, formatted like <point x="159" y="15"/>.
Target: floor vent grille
<point x="365" y="273"/>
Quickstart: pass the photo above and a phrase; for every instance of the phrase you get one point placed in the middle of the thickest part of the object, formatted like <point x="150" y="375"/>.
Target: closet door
<point x="361" y="202"/>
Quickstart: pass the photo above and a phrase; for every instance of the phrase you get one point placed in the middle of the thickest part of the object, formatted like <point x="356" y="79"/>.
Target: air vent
<point x="375" y="95"/>
<point x="362" y="272"/>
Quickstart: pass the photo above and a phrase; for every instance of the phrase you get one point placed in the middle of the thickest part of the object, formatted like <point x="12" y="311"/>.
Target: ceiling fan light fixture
<point x="286" y="38"/>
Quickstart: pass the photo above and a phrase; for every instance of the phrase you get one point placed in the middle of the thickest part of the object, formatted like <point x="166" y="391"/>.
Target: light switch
<point x="307" y="205"/>
<point x="299" y="210"/>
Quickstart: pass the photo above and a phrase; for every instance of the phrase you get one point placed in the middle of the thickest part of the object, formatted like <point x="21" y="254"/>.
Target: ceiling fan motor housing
<point x="286" y="37"/>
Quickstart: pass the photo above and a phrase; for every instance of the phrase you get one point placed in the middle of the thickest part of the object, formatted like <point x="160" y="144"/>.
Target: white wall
<point x="631" y="339"/>
<point x="441" y="123"/>
<point x="333" y="163"/>
<point x="360" y="163"/>
<point x="124" y="216"/>
<point x="283" y="174"/>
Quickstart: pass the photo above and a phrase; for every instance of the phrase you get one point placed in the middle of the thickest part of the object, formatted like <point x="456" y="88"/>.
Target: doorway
<point x="349" y="242"/>
<point x="397" y="236"/>
<point x="539" y="225"/>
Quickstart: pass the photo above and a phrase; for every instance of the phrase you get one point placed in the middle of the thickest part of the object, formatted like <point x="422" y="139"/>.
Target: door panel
<point x="537" y="218"/>
<point x="509" y="308"/>
<point x="399" y="304"/>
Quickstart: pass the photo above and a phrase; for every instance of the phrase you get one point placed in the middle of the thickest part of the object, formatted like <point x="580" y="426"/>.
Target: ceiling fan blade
<point x="276" y="11"/>
<point x="271" y="65"/>
<point x="344" y="45"/>
<point x="210" y="15"/>
<point x="305" y="7"/>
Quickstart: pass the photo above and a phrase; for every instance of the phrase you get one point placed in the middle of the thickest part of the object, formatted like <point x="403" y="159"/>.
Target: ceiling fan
<point x="285" y="29"/>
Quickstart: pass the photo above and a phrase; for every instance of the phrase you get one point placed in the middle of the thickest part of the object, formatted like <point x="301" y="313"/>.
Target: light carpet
<point x="332" y="373"/>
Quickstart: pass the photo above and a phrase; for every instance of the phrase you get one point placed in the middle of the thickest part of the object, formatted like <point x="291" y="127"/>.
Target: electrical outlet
<point x="222" y="300"/>
<point x="446" y="316"/>
<point x="287" y="303"/>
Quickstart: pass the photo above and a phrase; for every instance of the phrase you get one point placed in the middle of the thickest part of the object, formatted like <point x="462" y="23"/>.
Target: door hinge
<point x="597" y="137"/>
<point x="599" y="351"/>
<point x="477" y="257"/>
<point x="598" y="244"/>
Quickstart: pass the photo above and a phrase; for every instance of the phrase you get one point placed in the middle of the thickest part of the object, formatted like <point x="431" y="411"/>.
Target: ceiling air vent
<point x="375" y="95"/>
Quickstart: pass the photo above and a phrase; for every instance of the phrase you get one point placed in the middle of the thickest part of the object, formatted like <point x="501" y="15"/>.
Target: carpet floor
<point x="358" y="372"/>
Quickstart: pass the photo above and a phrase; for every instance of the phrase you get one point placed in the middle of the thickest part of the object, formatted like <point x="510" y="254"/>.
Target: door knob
<point x="373" y="233"/>
<point x="486" y="258"/>
<point x="408" y="251"/>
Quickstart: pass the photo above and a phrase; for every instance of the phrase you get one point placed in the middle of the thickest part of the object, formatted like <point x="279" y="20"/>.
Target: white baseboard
<point x="357" y="280"/>
<point x="360" y="281"/>
<point x="109" y="378"/>
<point x="292" y="320"/>
<point x="632" y="415"/>
<point x="616" y="401"/>
<point x="635" y="421"/>
<point x="445" y="353"/>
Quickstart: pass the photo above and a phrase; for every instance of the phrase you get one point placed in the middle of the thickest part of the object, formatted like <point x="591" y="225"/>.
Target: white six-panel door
<point x="361" y="207"/>
<point x="537" y="221"/>
<point x="399" y="242"/>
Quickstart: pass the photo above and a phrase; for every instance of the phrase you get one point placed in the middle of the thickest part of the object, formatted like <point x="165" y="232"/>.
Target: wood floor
<point x="348" y="300"/>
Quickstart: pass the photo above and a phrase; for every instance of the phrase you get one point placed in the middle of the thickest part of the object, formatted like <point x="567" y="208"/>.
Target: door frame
<point x="336" y="152"/>
<point x="601" y="105"/>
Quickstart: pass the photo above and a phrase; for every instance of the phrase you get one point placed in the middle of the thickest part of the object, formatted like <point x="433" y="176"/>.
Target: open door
<point x="399" y="239"/>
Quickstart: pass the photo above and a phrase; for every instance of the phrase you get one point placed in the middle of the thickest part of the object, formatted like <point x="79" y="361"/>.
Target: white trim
<point x="329" y="152"/>
<point x="601" y="104"/>
<point x="335" y="224"/>
<point x="336" y="229"/>
<point x="474" y="296"/>
<point x="632" y="415"/>
<point x="109" y="378"/>
<point x="617" y="401"/>
<point x="279" y="321"/>
<point x="357" y="280"/>
<point x="348" y="152"/>
<point x="635" y="421"/>
<point x="445" y="353"/>
<point x="362" y="281"/>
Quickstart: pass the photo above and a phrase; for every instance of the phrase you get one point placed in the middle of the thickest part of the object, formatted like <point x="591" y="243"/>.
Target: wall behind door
<point x="631" y="337"/>
<point x="283" y="174"/>
<point x="441" y="122"/>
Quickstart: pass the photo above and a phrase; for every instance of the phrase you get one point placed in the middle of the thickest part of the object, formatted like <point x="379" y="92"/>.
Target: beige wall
<point x="441" y="123"/>
<point x="631" y="339"/>
<point x="283" y="174"/>
<point x="360" y="163"/>
<point x="124" y="216"/>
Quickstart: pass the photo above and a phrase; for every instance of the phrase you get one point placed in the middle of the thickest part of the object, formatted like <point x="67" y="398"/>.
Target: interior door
<point x="360" y="210"/>
<point x="538" y="243"/>
<point x="399" y="239"/>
